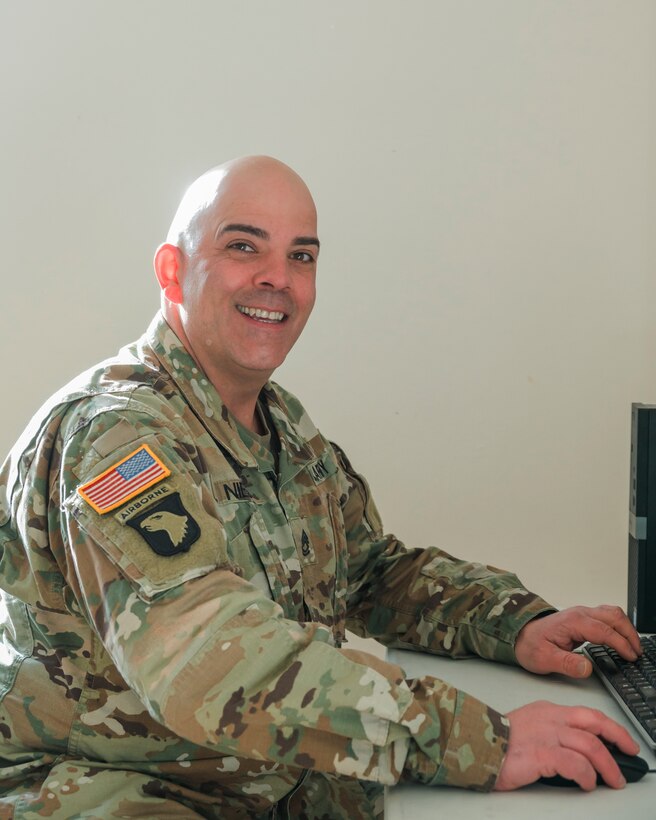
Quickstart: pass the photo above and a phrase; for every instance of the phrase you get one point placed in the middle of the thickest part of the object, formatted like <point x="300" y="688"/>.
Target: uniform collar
<point x="293" y="426"/>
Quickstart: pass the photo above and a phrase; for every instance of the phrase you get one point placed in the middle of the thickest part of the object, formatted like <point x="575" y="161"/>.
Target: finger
<point x="571" y="664"/>
<point x="590" y="747"/>
<point x="598" y="626"/>
<point x="618" y="736"/>
<point x="572" y="766"/>
<point x="616" y="617"/>
<point x="594" y="722"/>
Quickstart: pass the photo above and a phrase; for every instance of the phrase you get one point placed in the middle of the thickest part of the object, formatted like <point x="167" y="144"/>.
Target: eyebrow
<point x="239" y="227"/>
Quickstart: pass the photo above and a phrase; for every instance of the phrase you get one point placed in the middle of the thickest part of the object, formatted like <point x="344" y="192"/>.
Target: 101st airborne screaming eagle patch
<point x="166" y="526"/>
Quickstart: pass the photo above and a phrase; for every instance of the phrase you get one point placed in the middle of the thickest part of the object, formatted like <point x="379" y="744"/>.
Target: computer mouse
<point x="633" y="768"/>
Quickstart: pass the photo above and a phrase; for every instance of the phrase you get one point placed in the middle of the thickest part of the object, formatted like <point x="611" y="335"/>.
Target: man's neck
<point x="244" y="411"/>
<point x="240" y="392"/>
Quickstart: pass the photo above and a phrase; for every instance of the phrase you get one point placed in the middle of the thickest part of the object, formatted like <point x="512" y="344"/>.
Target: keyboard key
<point x="648" y="692"/>
<point x="607" y="665"/>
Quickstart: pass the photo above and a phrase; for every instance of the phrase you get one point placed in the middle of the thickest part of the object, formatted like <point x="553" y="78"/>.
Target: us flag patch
<point x="123" y="480"/>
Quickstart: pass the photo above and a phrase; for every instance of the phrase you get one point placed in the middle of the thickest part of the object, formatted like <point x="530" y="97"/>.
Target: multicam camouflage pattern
<point x="211" y="681"/>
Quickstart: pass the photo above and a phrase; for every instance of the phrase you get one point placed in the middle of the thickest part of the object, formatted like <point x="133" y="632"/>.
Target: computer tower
<point x="642" y="519"/>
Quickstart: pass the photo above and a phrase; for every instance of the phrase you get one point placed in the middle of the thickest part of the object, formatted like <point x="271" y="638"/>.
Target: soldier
<point x="182" y="551"/>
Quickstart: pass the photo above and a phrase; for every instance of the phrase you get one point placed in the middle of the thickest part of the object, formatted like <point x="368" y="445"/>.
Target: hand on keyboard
<point x="546" y="644"/>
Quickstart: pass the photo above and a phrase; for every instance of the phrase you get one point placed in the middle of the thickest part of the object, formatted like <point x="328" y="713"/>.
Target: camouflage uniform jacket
<point x="174" y="612"/>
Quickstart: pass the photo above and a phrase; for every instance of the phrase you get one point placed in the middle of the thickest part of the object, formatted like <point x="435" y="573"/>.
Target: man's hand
<point x="545" y="644"/>
<point x="546" y="740"/>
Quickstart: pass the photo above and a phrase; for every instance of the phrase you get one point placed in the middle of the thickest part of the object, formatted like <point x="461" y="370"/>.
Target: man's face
<point x="248" y="274"/>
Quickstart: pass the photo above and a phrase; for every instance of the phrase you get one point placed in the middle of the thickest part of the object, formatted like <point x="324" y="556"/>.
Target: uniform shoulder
<point x="107" y="385"/>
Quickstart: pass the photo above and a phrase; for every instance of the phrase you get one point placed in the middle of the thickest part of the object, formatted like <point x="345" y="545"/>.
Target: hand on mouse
<point x="545" y="644"/>
<point x="546" y="740"/>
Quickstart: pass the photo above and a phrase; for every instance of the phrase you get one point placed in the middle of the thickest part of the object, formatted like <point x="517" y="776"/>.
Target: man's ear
<point x="167" y="263"/>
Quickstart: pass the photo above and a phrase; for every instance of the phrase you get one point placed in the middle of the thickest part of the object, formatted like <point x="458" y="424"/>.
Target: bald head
<point x="237" y="181"/>
<point x="237" y="273"/>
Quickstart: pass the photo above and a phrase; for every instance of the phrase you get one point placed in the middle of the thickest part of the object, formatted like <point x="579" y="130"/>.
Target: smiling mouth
<point x="269" y="316"/>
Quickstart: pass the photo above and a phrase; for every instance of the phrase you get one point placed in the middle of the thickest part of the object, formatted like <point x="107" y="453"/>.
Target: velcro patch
<point x="167" y="527"/>
<point x="124" y="480"/>
<point x="138" y="505"/>
<point x="235" y="490"/>
<point x="318" y="471"/>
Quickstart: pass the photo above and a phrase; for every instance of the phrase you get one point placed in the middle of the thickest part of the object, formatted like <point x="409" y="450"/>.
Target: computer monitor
<point x="642" y="519"/>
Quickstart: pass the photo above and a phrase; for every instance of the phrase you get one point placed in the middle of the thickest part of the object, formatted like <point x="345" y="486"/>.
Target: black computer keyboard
<point x="633" y="685"/>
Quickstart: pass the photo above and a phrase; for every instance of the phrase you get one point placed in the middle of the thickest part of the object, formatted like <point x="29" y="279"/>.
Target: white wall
<point x="485" y="177"/>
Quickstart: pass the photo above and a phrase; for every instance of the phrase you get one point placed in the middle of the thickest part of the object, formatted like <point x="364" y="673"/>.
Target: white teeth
<point x="258" y="313"/>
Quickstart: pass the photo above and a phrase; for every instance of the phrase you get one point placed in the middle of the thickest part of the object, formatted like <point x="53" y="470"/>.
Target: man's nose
<point x="274" y="272"/>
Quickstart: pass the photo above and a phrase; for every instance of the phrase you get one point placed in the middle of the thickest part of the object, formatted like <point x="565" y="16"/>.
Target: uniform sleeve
<point x="214" y="660"/>
<point x="425" y="598"/>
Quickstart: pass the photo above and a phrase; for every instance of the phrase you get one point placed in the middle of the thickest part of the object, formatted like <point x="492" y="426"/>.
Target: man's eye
<point x="242" y="246"/>
<point x="303" y="256"/>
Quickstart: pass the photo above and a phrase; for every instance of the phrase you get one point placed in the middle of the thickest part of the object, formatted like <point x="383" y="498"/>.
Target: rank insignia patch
<point x="166" y="526"/>
<point x="123" y="480"/>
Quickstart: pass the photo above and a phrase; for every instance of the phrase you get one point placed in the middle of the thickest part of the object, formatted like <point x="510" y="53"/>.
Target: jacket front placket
<point x="309" y="492"/>
<point x="235" y="476"/>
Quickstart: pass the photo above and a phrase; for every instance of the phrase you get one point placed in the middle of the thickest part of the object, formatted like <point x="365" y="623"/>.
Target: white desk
<point x="504" y="688"/>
